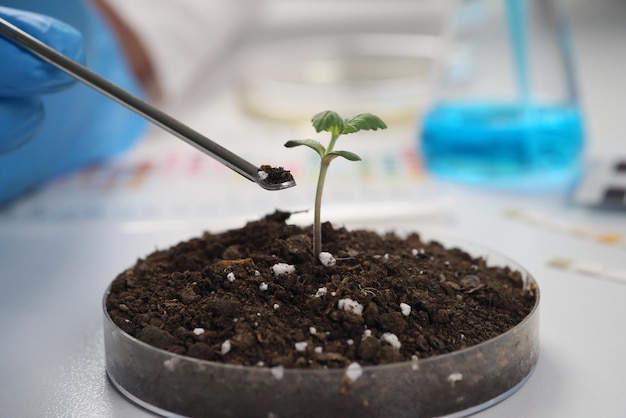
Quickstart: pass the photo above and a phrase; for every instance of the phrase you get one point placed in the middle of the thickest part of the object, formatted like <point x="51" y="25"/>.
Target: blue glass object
<point x="514" y="119"/>
<point x="499" y="143"/>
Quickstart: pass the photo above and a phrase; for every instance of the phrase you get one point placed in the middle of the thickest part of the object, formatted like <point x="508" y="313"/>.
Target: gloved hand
<point x="49" y="124"/>
<point x="24" y="77"/>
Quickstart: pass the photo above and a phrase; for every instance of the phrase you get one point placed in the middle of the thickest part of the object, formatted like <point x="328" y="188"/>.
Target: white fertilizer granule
<point x="391" y="339"/>
<point x="350" y="305"/>
<point x="354" y="371"/>
<point x="405" y="309"/>
<point x="327" y="259"/>
<point x="283" y="268"/>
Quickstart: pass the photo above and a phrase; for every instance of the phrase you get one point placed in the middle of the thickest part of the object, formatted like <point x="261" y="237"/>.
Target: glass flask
<point x="506" y="111"/>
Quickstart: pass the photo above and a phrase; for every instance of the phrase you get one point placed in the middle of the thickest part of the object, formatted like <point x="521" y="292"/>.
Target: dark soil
<point x="276" y="175"/>
<point x="225" y="284"/>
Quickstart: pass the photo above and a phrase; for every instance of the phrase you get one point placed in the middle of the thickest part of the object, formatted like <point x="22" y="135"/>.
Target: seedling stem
<point x="331" y="122"/>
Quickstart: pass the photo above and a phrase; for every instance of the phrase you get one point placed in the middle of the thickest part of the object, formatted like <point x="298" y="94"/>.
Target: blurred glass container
<point x="506" y="111"/>
<point x="351" y="56"/>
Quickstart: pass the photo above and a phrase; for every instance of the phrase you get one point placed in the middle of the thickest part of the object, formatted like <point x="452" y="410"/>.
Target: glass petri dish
<point x="454" y="385"/>
<point x="294" y="78"/>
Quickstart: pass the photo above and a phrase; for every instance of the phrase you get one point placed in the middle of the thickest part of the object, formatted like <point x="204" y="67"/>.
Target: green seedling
<point x="330" y="121"/>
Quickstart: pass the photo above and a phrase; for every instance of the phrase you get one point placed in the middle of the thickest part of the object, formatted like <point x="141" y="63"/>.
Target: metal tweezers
<point x="139" y="106"/>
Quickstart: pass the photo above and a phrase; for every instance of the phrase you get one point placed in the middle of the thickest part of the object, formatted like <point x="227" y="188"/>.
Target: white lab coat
<point x="183" y="37"/>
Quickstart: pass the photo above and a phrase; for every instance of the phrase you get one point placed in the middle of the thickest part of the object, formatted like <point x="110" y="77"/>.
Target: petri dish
<point x="457" y="384"/>
<point x="291" y="79"/>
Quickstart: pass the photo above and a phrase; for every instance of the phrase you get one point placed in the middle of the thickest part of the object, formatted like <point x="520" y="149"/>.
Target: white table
<point x="54" y="278"/>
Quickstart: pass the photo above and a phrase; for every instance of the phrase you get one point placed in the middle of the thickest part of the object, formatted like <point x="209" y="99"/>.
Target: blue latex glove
<point x="50" y="125"/>
<point x="24" y="77"/>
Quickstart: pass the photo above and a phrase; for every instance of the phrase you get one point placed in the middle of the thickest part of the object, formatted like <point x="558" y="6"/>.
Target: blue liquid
<point x="500" y="144"/>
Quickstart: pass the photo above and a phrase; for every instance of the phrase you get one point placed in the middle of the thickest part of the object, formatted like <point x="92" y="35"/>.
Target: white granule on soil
<point x="262" y="175"/>
<point x="405" y="309"/>
<point x="350" y="305"/>
<point x="263" y="286"/>
<point x="301" y="346"/>
<point x="198" y="331"/>
<point x="391" y="339"/>
<point x="455" y="377"/>
<point x="278" y="372"/>
<point x="366" y="333"/>
<point x="327" y="259"/>
<point x="312" y="330"/>
<point x="350" y="341"/>
<point x="319" y="350"/>
<point x="231" y="276"/>
<point x="276" y="306"/>
<point x="226" y="346"/>
<point x="257" y="273"/>
<point x="354" y="371"/>
<point x="322" y="291"/>
<point x="283" y="268"/>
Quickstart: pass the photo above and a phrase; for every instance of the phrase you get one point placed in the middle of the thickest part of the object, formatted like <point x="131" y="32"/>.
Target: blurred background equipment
<point x="507" y="109"/>
<point x="351" y="55"/>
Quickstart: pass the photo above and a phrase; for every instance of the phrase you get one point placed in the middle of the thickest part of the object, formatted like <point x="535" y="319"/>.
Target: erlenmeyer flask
<point x="506" y="111"/>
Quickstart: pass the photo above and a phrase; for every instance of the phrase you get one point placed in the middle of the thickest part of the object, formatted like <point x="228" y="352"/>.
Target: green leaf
<point x="346" y="154"/>
<point x="328" y="121"/>
<point x="362" y="121"/>
<point x="314" y="145"/>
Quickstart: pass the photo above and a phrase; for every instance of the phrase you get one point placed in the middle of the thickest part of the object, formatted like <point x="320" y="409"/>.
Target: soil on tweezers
<point x="276" y="175"/>
<point x="257" y="296"/>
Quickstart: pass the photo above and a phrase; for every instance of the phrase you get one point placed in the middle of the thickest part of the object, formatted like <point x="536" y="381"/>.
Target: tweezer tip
<point x="272" y="178"/>
<point x="276" y="186"/>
